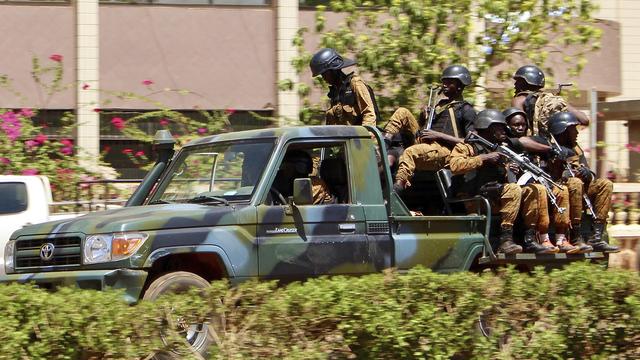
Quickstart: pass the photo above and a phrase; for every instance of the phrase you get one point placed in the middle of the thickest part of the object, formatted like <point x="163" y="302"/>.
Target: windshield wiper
<point x="159" y="201"/>
<point x="203" y="199"/>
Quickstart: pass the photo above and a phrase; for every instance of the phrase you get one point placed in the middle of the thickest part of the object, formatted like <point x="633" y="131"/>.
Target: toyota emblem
<point x="46" y="251"/>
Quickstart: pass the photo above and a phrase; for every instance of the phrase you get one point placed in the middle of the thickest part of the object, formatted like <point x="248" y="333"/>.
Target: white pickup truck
<point x="24" y="200"/>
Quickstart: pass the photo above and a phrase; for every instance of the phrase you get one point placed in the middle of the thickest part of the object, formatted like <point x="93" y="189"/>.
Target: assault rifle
<point x="431" y="106"/>
<point x="531" y="170"/>
<point x="561" y="85"/>
<point x="585" y="197"/>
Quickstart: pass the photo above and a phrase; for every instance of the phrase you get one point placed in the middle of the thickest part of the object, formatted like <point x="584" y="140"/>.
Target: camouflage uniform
<point x="401" y="121"/>
<point x="351" y="104"/>
<point x="320" y="191"/>
<point x="599" y="190"/>
<point x="464" y="160"/>
<point x="434" y="156"/>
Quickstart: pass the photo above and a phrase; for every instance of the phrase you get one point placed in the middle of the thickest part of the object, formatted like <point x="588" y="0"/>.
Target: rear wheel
<point x="198" y="336"/>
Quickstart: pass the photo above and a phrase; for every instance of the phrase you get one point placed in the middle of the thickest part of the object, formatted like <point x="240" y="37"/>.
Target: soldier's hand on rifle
<point x="423" y="117"/>
<point x="585" y="174"/>
<point x="492" y="158"/>
<point x="514" y="168"/>
<point x="430" y="135"/>
<point x="561" y="153"/>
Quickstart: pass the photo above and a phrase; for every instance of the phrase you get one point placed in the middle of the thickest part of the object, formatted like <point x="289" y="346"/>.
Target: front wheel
<point x="198" y="336"/>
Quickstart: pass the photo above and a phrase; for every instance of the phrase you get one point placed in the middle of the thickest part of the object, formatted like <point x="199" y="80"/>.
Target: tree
<point x="403" y="45"/>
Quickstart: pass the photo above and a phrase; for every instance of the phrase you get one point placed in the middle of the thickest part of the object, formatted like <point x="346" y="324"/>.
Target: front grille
<point x="67" y="252"/>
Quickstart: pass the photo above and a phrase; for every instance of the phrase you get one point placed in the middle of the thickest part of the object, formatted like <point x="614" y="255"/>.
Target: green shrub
<point x="582" y="311"/>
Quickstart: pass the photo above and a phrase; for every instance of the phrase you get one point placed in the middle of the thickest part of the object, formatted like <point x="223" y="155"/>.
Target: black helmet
<point x="511" y="112"/>
<point x="531" y="74"/>
<point x="488" y="117"/>
<point x="457" y="72"/>
<point x="328" y="59"/>
<point x="559" y="122"/>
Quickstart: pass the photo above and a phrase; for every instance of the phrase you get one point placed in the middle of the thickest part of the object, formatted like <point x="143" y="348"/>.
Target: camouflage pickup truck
<point x="214" y="211"/>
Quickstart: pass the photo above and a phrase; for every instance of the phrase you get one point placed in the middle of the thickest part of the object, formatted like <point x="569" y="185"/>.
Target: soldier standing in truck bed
<point x="352" y="100"/>
<point x="453" y="120"/>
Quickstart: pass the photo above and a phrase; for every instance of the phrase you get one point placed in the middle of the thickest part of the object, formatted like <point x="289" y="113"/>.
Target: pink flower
<point x="31" y="144"/>
<point x="118" y="123"/>
<point x="66" y="142"/>
<point x="5" y="161"/>
<point x="66" y="150"/>
<point x="147" y="82"/>
<point x="637" y="149"/>
<point x="85" y="86"/>
<point x="202" y="131"/>
<point x="30" y="172"/>
<point x="164" y="122"/>
<point x="27" y="113"/>
<point x="41" y="138"/>
<point x="230" y="111"/>
<point x="97" y="110"/>
<point x="139" y="153"/>
<point x="56" y="57"/>
<point x="127" y="151"/>
<point x="629" y="146"/>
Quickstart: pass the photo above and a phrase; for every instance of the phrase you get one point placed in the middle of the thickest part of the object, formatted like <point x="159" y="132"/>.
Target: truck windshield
<point x="14" y="198"/>
<point x="215" y="174"/>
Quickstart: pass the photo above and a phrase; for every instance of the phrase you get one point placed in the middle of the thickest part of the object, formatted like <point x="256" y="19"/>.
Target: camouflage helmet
<point x="531" y="74"/>
<point x="487" y="118"/>
<point x="328" y="59"/>
<point x="457" y="72"/>
<point x="512" y="112"/>
<point x="560" y="121"/>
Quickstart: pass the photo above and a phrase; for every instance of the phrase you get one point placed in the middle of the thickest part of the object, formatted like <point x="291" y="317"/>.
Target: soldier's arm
<point x="582" y="117"/>
<point x="534" y="145"/>
<point x="518" y="102"/>
<point x="364" y="102"/>
<point x="463" y="159"/>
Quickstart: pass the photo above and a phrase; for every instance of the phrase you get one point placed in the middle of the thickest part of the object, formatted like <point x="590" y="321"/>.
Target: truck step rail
<point x="539" y="259"/>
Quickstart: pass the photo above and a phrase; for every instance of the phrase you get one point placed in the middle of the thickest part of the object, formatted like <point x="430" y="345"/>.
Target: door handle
<point x="347" y="228"/>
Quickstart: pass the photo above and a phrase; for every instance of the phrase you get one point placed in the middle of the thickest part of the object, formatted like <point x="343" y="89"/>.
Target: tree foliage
<point x="402" y="46"/>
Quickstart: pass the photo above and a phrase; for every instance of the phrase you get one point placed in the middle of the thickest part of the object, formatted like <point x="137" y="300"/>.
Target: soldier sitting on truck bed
<point x="486" y="174"/>
<point x="537" y="193"/>
<point x="563" y="128"/>
<point x="453" y="120"/>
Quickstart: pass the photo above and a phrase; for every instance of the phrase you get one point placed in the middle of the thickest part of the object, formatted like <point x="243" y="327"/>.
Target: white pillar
<point x="87" y="76"/>
<point x="476" y="56"/>
<point x="286" y="28"/>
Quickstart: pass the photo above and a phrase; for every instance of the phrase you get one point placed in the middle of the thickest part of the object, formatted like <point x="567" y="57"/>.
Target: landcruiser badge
<point x="279" y="230"/>
<point x="46" y="251"/>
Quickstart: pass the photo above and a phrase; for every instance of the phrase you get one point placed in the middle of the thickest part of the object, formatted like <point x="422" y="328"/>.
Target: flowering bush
<point x="26" y="150"/>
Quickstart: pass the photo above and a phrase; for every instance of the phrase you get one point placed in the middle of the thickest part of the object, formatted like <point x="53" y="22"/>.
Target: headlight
<point x="9" y="250"/>
<point x="112" y="247"/>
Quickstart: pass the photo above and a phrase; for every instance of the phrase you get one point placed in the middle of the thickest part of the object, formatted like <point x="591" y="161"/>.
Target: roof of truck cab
<point x="320" y="131"/>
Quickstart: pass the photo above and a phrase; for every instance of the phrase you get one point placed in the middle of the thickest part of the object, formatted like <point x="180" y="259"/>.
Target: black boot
<point x="595" y="240"/>
<point x="577" y="241"/>
<point x="507" y="246"/>
<point x="532" y="246"/>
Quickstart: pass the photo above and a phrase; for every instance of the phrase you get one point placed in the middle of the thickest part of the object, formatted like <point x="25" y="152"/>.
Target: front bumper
<point x="132" y="281"/>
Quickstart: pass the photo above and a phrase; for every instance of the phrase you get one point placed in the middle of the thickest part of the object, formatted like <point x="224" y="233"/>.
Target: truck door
<point x="325" y="238"/>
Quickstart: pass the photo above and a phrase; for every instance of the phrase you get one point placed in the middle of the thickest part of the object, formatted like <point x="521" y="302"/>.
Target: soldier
<point x="486" y="173"/>
<point x="352" y="100"/>
<point x="564" y="128"/>
<point x="537" y="194"/>
<point x="298" y="164"/>
<point x="454" y="119"/>
<point x="529" y="82"/>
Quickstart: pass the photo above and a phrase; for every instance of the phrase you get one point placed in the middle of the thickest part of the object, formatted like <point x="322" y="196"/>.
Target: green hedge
<point x="580" y="312"/>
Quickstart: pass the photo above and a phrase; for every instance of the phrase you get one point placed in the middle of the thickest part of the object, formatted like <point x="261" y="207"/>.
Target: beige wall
<point x="224" y="55"/>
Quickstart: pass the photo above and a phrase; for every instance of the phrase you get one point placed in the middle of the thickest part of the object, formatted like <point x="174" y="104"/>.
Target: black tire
<point x="199" y="336"/>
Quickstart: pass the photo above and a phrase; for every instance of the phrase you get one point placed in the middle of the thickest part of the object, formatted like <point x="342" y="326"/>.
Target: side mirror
<point x="302" y="191"/>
